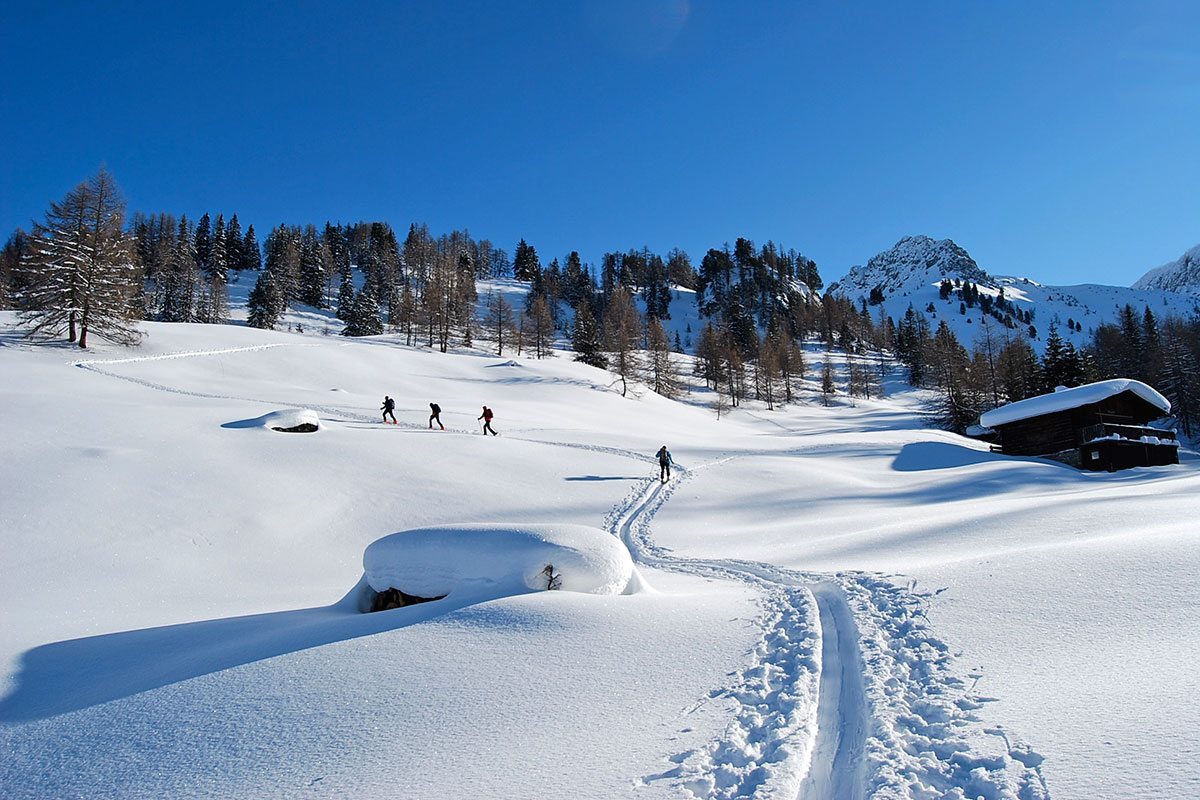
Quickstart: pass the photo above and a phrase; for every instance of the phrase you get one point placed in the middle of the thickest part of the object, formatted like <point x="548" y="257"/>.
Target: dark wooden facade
<point x="1106" y="435"/>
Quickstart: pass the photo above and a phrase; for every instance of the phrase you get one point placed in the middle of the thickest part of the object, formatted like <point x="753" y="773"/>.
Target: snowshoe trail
<point x="892" y="716"/>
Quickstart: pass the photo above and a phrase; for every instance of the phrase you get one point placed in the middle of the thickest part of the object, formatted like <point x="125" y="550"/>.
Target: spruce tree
<point x="251" y="255"/>
<point x="525" y="262"/>
<point x="235" y="258"/>
<point x="218" y="259"/>
<point x="586" y="338"/>
<point x="1055" y="366"/>
<point x="365" y="321"/>
<point x="312" y="269"/>
<point x="204" y="244"/>
<point x="345" y="299"/>
<point x="264" y="303"/>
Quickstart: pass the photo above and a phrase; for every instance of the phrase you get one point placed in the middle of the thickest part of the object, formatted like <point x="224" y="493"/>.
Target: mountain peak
<point x="1181" y="275"/>
<point x="912" y="262"/>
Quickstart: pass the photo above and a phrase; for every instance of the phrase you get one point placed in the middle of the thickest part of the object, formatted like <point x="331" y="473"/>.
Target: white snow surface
<point x="846" y="603"/>
<point x="510" y="559"/>
<point x="1074" y="397"/>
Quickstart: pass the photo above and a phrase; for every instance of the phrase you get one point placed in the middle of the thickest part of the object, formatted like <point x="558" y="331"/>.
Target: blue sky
<point x="1057" y="140"/>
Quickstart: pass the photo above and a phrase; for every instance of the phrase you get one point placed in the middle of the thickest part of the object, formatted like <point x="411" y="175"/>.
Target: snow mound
<point x="291" y="420"/>
<point x="500" y="559"/>
<point x="1062" y="399"/>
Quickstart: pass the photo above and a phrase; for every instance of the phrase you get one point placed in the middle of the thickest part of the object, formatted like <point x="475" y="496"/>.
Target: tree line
<point x="83" y="269"/>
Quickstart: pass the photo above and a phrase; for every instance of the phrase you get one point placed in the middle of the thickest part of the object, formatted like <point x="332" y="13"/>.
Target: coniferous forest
<point x="89" y="268"/>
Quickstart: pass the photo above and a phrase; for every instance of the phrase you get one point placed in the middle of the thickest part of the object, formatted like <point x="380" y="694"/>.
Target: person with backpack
<point x="486" y="416"/>
<point x="389" y="405"/>
<point x="664" y="464"/>
<point x="435" y="414"/>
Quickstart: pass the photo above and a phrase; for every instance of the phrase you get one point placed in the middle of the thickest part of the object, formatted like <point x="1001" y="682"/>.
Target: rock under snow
<point x="502" y="559"/>
<point x="291" y="420"/>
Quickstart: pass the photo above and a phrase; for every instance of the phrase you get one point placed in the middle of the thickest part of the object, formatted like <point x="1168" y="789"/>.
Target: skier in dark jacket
<point x="389" y="405"/>
<point x="486" y="416"/>
<point x="664" y="464"/>
<point x="435" y="414"/>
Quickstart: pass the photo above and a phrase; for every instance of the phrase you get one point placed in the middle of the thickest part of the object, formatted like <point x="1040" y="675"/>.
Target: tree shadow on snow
<point x="76" y="674"/>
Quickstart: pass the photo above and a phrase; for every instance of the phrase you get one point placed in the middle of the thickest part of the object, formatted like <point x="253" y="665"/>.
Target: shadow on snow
<point x="76" y="674"/>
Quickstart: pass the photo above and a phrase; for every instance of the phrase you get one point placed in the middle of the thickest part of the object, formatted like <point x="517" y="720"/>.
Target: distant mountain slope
<point x="1181" y="275"/>
<point x="910" y="273"/>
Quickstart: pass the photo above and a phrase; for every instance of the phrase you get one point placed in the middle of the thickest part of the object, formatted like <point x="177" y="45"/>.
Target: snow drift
<point x="501" y="560"/>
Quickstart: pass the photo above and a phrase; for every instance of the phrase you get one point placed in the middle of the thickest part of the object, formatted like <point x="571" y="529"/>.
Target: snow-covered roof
<point x="1063" y="399"/>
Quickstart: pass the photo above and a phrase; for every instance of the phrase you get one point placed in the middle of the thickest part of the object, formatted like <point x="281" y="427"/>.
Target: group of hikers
<point x="389" y="407"/>
<point x="435" y="415"/>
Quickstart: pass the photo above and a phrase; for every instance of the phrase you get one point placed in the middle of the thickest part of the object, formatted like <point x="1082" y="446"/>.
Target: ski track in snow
<point x="893" y="719"/>
<point x="846" y="695"/>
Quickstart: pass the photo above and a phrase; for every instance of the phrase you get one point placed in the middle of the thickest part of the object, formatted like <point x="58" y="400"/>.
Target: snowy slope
<point x="911" y="271"/>
<point x="1181" y="275"/>
<point x="172" y="572"/>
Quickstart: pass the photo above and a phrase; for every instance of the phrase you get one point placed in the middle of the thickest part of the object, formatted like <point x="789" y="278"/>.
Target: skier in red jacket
<point x="486" y="416"/>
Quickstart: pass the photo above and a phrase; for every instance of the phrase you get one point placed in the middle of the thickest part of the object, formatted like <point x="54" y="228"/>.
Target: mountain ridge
<point x="911" y="273"/>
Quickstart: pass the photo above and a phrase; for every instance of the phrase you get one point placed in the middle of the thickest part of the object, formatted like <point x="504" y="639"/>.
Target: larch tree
<point x="541" y="327"/>
<point x="828" y="387"/>
<point x="499" y="321"/>
<point x="622" y="330"/>
<point x="661" y="373"/>
<point x="80" y="275"/>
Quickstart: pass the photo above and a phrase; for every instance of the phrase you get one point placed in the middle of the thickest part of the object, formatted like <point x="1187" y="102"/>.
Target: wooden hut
<point x="1097" y="426"/>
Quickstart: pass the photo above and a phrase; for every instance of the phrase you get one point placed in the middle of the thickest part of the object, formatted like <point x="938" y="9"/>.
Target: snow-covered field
<point x="826" y="602"/>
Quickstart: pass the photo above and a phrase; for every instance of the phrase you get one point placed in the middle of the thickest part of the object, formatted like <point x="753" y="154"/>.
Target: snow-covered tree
<point x="265" y="303"/>
<point x="585" y="338"/>
<point x="80" y="274"/>
<point x="365" y="320"/>
<point x="251" y="254"/>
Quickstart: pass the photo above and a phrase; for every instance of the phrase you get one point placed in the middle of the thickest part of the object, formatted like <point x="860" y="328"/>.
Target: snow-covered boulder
<point x="500" y="560"/>
<point x="291" y="420"/>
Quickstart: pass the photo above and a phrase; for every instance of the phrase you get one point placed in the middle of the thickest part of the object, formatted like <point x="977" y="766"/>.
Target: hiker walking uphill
<point x="486" y="416"/>
<point x="664" y="464"/>
<point x="435" y="415"/>
<point x="389" y="405"/>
